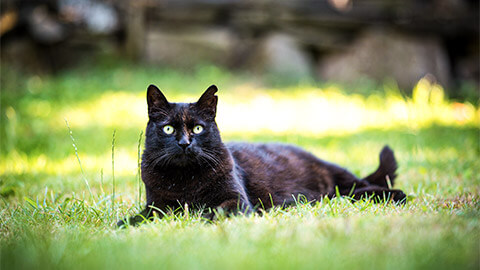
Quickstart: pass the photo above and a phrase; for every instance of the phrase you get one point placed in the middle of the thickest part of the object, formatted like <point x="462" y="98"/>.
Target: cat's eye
<point x="197" y="129"/>
<point x="168" y="129"/>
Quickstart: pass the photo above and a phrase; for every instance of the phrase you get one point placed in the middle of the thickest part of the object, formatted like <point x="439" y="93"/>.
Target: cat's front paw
<point x="212" y="215"/>
<point x="399" y="196"/>
<point x="122" y="223"/>
<point x="132" y="221"/>
<point x="209" y="216"/>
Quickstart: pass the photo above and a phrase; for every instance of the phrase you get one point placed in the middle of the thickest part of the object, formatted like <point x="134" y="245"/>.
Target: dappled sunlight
<point x="112" y="109"/>
<point x="317" y="111"/>
<point x="18" y="163"/>
<point x="307" y="110"/>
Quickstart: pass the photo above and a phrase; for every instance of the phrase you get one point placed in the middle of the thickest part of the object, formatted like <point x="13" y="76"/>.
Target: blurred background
<point x="339" y="78"/>
<point x="334" y="40"/>
<point x="325" y="74"/>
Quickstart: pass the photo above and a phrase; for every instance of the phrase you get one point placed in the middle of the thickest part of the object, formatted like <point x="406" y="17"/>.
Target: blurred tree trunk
<point x="135" y="29"/>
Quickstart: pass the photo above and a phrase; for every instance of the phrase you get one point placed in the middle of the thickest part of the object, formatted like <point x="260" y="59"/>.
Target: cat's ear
<point x="208" y="101"/>
<point x="155" y="98"/>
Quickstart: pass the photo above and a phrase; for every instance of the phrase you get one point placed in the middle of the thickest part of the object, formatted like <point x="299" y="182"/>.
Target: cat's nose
<point x="184" y="143"/>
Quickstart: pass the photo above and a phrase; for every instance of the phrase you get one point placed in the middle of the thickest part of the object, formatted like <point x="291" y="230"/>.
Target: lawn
<point x="70" y="147"/>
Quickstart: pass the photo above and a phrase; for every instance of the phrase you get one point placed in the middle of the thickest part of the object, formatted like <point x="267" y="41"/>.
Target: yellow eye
<point x="197" y="129"/>
<point x="168" y="129"/>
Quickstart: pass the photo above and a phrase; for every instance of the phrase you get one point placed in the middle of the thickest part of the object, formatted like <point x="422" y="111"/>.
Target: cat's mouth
<point x="187" y="158"/>
<point x="184" y="158"/>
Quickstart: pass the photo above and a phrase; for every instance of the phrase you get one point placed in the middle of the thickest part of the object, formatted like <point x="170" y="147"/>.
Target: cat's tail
<point x="386" y="170"/>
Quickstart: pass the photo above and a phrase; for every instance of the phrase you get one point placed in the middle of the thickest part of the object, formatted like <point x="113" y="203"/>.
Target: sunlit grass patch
<point x="112" y="109"/>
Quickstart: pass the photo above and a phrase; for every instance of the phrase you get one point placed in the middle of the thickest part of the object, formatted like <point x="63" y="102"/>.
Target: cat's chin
<point x="184" y="160"/>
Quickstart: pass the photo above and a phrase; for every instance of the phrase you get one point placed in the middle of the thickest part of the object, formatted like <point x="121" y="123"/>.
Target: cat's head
<point x="182" y="134"/>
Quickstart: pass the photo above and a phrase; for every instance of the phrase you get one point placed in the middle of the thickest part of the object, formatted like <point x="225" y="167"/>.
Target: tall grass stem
<point x="138" y="169"/>
<point x="78" y="158"/>
<point x="101" y="181"/>
<point x="113" y="172"/>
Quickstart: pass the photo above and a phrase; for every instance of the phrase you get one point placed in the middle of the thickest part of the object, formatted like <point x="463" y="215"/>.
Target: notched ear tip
<point x="209" y="93"/>
<point x="213" y="89"/>
<point x="208" y="100"/>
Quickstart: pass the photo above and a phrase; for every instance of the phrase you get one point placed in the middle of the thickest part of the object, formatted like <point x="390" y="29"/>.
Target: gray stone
<point x="281" y="54"/>
<point x="189" y="47"/>
<point x="380" y="55"/>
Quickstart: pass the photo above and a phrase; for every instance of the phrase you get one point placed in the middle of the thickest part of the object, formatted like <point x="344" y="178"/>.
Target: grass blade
<point x="78" y="159"/>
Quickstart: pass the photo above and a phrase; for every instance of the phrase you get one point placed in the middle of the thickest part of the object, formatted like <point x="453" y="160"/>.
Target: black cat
<point x="186" y="162"/>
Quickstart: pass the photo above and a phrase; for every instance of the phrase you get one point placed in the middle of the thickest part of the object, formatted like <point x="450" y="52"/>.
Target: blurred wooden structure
<point x="319" y="27"/>
<point x="299" y="37"/>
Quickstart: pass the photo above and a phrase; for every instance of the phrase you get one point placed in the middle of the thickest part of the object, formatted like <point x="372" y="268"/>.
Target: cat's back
<point x="280" y="170"/>
<point x="268" y="154"/>
<point x="273" y="159"/>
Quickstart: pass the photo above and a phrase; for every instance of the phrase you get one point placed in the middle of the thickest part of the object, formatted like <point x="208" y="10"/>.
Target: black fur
<point x="200" y="170"/>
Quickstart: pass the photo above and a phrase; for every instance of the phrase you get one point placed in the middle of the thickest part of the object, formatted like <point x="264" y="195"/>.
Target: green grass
<point x="49" y="219"/>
